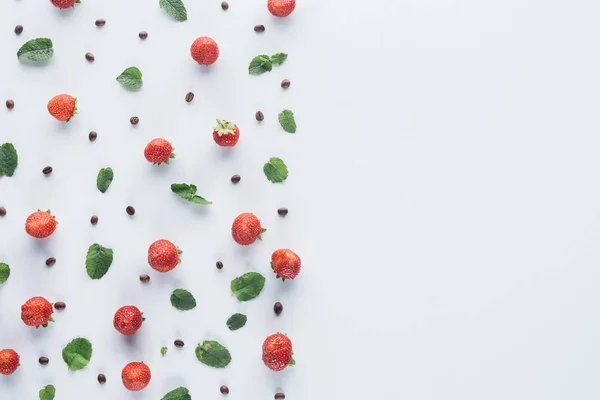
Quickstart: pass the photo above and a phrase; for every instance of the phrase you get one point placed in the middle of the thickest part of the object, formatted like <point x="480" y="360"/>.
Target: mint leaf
<point x="104" y="179"/>
<point x="8" y="159"/>
<point x="182" y="300"/>
<point x="163" y="351"/>
<point x="175" y="9"/>
<point x="247" y="286"/>
<point x="98" y="261"/>
<point x="47" y="393"/>
<point x="188" y="192"/>
<point x="77" y="354"/>
<point x="260" y="64"/>
<point x="4" y="272"/>
<point x="131" y="78"/>
<point x="36" y="50"/>
<point x="236" y="321"/>
<point x="180" y="393"/>
<point x="279" y="58"/>
<point x="276" y="170"/>
<point x="213" y="354"/>
<point x="287" y="121"/>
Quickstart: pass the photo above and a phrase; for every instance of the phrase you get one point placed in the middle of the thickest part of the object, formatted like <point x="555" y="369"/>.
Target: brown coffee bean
<point x="44" y="360"/>
<point x="47" y="170"/>
<point x="90" y="57"/>
<point x="134" y="120"/>
<point x="100" y="22"/>
<point x="93" y="135"/>
<point x="144" y="278"/>
<point x="278" y="308"/>
<point x="94" y="220"/>
<point x="219" y="265"/>
<point x="279" y="396"/>
<point x="130" y="210"/>
<point x="189" y="97"/>
<point x="143" y="35"/>
<point x="259" y="28"/>
<point x="2" y="211"/>
<point x="59" y="305"/>
<point x="179" y="343"/>
<point x="282" y="211"/>
<point x="10" y="104"/>
<point x="225" y="6"/>
<point x="259" y="116"/>
<point x="235" y="178"/>
<point x="101" y="379"/>
<point x="224" y="389"/>
<point x="18" y="29"/>
<point x="285" y="83"/>
<point x="51" y="261"/>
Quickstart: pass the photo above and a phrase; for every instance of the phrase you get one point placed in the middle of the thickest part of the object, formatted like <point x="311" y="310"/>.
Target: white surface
<point x="442" y="196"/>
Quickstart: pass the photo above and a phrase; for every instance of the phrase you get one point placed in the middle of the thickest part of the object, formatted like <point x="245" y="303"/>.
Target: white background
<point x="443" y="196"/>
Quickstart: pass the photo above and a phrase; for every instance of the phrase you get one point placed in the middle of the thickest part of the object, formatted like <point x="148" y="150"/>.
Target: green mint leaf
<point x="4" y="272"/>
<point x="131" y="78"/>
<point x="36" y="50"/>
<point x="276" y="170"/>
<point x="247" y="286"/>
<point x="182" y="300"/>
<point x="236" y="321"/>
<point x="47" y="393"/>
<point x="98" y="261"/>
<point x="260" y="64"/>
<point x="163" y="351"/>
<point x="279" y="58"/>
<point x="77" y="354"/>
<point x="175" y="9"/>
<point x="287" y="121"/>
<point x="213" y="354"/>
<point x="8" y="159"/>
<point x="104" y="179"/>
<point x="188" y="192"/>
<point x="180" y="393"/>
<point x="200" y="200"/>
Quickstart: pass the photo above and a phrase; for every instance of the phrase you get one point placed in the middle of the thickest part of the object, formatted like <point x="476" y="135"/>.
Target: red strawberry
<point x="226" y="134"/>
<point x="40" y="224"/>
<point x="9" y="361"/>
<point x="128" y="320"/>
<point x="277" y="352"/>
<point x="64" y="3"/>
<point x="281" y="8"/>
<point x="205" y="50"/>
<point x="62" y="107"/>
<point x="285" y="263"/>
<point x="159" y="151"/>
<point x="37" y="311"/>
<point x="246" y="229"/>
<point x="163" y="255"/>
<point x="136" y="376"/>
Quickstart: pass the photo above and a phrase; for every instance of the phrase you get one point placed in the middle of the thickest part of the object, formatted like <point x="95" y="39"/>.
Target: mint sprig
<point x="175" y="9"/>
<point x="263" y="63"/>
<point x="287" y="121"/>
<point x="213" y="354"/>
<point x="131" y="78"/>
<point x="247" y="286"/>
<point x="4" y="272"/>
<point x="279" y="58"/>
<point x="236" y="321"/>
<point x="183" y="300"/>
<point x="98" y="261"/>
<point x="181" y="393"/>
<point x="8" y="159"/>
<point x="104" y="179"/>
<point x="188" y="192"/>
<point x="47" y="392"/>
<point x="35" y="50"/>
<point x="275" y="170"/>
<point x="77" y="354"/>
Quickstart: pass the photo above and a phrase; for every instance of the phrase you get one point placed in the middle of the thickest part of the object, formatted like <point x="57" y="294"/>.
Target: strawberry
<point x="62" y="107"/>
<point x="277" y="352"/>
<point x="246" y="229"/>
<point x="205" y="50"/>
<point x="136" y="376"/>
<point x="226" y="134"/>
<point x="281" y="8"/>
<point x="37" y="311"/>
<point x="163" y="255"/>
<point x="40" y="224"/>
<point x="128" y="319"/>
<point x="64" y="3"/>
<point x="285" y="263"/>
<point x="159" y="151"/>
<point x="9" y="361"/>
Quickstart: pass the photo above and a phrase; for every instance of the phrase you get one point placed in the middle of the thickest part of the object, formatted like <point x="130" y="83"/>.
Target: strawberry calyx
<point x="179" y="252"/>
<point x="292" y="362"/>
<point x="224" y="128"/>
<point x="276" y="274"/>
<point x="74" y="109"/>
<point x="171" y="156"/>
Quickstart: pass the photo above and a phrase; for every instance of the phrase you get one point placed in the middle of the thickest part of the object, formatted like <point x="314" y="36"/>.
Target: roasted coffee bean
<point x="130" y="210"/>
<point x="90" y="57"/>
<point x="93" y="135"/>
<point x="225" y="6"/>
<point x="143" y="35"/>
<point x="47" y="170"/>
<point x="224" y="389"/>
<point x="44" y="360"/>
<point x="10" y="104"/>
<point x="235" y="178"/>
<point x="101" y="379"/>
<point x="134" y="120"/>
<point x="51" y="261"/>
<point x="259" y="28"/>
<point x="2" y="211"/>
<point x="144" y="278"/>
<point x="278" y="308"/>
<point x="285" y="83"/>
<point x="189" y="97"/>
<point x="282" y="211"/>
<point x="100" y="22"/>
<point x="18" y="29"/>
<point x="279" y="396"/>
<point x="179" y="343"/>
<point x="219" y="265"/>
<point x="259" y="116"/>
<point x="94" y="220"/>
<point x="59" y="305"/>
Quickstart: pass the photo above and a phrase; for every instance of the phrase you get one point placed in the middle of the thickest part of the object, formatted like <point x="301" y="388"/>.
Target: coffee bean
<point x="134" y="120"/>
<point x="278" y="308"/>
<point x="44" y="360"/>
<point x="259" y="116"/>
<point x="219" y="265"/>
<point x="59" y="305"/>
<point x="51" y="261"/>
<point x="144" y="278"/>
<point x="47" y="170"/>
<point x="259" y="28"/>
<point x="225" y="6"/>
<point x="94" y="220"/>
<point x="100" y="22"/>
<point x="143" y="35"/>
<point x="235" y="178"/>
<point x="18" y="29"/>
<point x="285" y="83"/>
<point x="179" y="343"/>
<point x="90" y="57"/>
<point x="189" y="97"/>
<point x="10" y="104"/>
<point x="282" y="211"/>
<point x="224" y="389"/>
<point x="101" y="379"/>
<point x="93" y="135"/>
<point x="279" y="396"/>
<point x="2" y="211"/>
<point x="130" y="210"/>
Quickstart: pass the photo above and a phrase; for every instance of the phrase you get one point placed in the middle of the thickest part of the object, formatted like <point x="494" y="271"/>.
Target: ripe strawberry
<point x="246" y="229"/>
<point x="9" y="361"/>
<point x="37" y="311"/>
<point x="40" y="224"/>
<point x="136" y="376"/>
<point x="205" y="50"/>
<point x="163" y="255"/>
<point x="159" y="151"/>
<point x="277" y="352"/>
<point x="128" y="319"/>
<point x="285" y="263"/>
<point x="281" y="8"/>
<point x="226" y="134"/>
<point x="64" y="3"/>
<point x="62" y="107"/>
